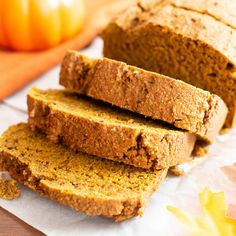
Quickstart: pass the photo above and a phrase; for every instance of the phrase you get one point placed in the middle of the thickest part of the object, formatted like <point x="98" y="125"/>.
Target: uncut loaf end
<point x="193" y="41"/>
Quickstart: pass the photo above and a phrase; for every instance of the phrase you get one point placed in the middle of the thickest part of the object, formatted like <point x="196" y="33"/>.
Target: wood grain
<point x="10" y="225"/>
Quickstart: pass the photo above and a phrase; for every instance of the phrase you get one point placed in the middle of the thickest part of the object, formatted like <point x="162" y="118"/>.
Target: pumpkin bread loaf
<point x="151" y="94"/>
<point x="84" y="183"/>
<point x="189" y="40"/>
<point x="97" y="129"/>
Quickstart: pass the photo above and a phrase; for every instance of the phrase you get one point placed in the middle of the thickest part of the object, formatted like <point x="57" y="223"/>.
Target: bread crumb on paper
<point x="9" y="188"/>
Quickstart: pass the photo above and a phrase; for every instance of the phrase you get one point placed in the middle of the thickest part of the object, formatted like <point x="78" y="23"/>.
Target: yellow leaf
<point x="213" y="222"/>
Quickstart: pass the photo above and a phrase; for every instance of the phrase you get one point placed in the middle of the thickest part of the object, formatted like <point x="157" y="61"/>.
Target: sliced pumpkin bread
<point x="189" y="40"/>
<point x="151" y="94"/>
<point x="84" y="183"/>
<point x="95" y="128"/>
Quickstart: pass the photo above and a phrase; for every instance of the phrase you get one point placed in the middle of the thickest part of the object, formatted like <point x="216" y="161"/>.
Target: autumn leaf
<point x="214" y="220"/>
<point x="230" y="171"/>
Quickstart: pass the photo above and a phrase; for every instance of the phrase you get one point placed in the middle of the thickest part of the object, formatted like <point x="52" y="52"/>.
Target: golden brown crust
<point x="31" y="160"/>
<point x="188" y="40"/>
<point x="221" y="10"/>
<point x="140" y="146"/>
<point x="150" y="94"/>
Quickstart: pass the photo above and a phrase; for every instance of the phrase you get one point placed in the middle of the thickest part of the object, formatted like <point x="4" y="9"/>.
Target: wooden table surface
<point x="10" y="225"/>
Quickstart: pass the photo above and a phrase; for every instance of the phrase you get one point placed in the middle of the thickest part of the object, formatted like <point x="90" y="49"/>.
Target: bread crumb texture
<point x="85" y="183"/>
<point x="99" y="129"/>
<point x="9" y="188"/>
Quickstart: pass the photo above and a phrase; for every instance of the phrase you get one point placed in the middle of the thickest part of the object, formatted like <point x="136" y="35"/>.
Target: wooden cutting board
<point x="18" y="68"/>
<point x="10" y="225"/>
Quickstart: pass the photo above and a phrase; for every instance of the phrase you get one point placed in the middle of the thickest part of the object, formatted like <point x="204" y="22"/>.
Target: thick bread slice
<point x="189" y="40"/>
<point x="84" y="183"/>
<point x="92" y="127"/>
<point x="151" y="94"/>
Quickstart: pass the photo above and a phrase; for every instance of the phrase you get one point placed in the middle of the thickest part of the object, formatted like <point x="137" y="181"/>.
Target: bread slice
<point x="189" y="40"/>
<point x="147" y="93"/>
<point x="94" y="128"/>
<point x="84" y="183"/>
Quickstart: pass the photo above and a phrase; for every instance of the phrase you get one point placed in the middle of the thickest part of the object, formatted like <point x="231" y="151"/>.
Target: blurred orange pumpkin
<point x="39" y="24"/>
